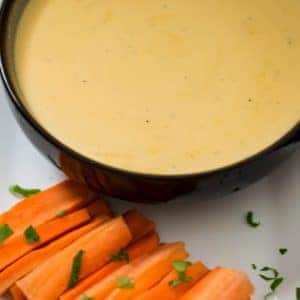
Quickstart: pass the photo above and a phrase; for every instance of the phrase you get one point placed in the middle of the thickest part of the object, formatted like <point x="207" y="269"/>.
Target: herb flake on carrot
<point x="60" y="213"/>
<point x="124" y="283"/>
<point x="122" y="255"/>
<point x="76" y="267"/>
<point x="5" y="232"/>
<point x="31" y="235"/>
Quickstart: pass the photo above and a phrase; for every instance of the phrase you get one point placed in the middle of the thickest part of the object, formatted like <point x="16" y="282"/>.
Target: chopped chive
<point x="122" y="255"/>
<point x="182" y="278"/>
<point x="60" y="213"/>
<point x="180" y="266"/>
<point x="266" y="278"/>
<point x="297" y="293"/>
<point x="31" y="235"/>
<point x="276" y="283"/>
<point x="254" y="267"/>
<point x="283" y="251"/>
<point x="124" y="283"/>
<point x="5" y="232"/>
<point x="19" y="191"/>
<point x="174" y="283"/>
<point x="272" y="270"/>
<point x="76" y="267"/>
<point x="250" y="220"/>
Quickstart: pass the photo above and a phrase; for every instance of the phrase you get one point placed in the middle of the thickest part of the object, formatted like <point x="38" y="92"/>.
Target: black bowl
<point x="122" y="183"/>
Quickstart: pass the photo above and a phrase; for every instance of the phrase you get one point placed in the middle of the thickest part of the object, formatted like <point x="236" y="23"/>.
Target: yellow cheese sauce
<point x="162" y="86"/>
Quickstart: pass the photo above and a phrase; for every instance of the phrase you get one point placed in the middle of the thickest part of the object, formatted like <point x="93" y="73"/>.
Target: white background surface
<point x="214" y="231"/>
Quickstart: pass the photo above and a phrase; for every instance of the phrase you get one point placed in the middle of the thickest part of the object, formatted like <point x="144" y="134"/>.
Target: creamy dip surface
<point x="162" y="86"/>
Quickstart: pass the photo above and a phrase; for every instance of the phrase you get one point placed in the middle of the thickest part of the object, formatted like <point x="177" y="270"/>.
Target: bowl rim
<point x="17" y="102"/>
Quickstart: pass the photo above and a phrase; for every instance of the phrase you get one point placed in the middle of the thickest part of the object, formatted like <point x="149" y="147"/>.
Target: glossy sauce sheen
<point x="162" y="87"/>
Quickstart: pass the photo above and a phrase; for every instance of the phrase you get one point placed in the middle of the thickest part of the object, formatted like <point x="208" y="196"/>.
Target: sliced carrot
<point x="67" y="196"/>
<point x="99" y="207"/>
<point x="138" y="224"/>
<point x="141" y="247"/>
<point x="144" y="272"/>
<point x="221" y="283"/>
<point x="163" y="290"/>
<point x="17" y="246"/>
<point x="50" y="280"/>
<point x="30" y="261"/>
<point x="16" y="293"/>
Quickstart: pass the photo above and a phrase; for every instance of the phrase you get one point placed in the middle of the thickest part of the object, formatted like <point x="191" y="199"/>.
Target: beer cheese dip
<point x="165" y="87"/>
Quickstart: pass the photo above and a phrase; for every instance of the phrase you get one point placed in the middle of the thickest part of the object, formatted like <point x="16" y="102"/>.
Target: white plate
<point x="214" y="231"/>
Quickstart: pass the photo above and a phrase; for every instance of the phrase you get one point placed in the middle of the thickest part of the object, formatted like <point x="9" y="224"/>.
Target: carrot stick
<point x="163" y="290"/>
<point x="138" y="224"/>
<point x="17" y="246"/>
<point x="144" y="272"/>
<point x="16" y="293"/>
<point x="141" y="247"/>
<point x="67" y="196"/>
<point x="99" y="207"/>
<point x="50" y="280"/>
<point x="30" y="261"/>
<point x="221" y="283"/>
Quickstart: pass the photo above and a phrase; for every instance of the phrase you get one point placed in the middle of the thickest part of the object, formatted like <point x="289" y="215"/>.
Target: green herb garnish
<point x="85" y="297"/>
<point x="182" y="278"/>
<point x="254" y="267"/>
<point x="122" y="255"/>
<point x="297" y="293"/>
<point x="5" y="232"/>
<point x="125" y="283"/>
<point x="250" y="220"/>
<point x="180" y="267"/>
<point x="60" y="213"/>
<point x="76" y="266"/>
<point x="283" y="251"/>
<point x="273" y="276"/>
<point x="276" y="283"/>
<point x="31" y="235"/>
<point x="274" y="272"/>
<point x="19" y="191"/>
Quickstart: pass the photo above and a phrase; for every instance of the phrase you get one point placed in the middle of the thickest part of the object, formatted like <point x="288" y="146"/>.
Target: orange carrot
<point x="144" y="272"/>
<point x="221" y="283"/>
<point x="163" y="290"/>
<point x="17" y="246"/>
<point x="67" y="196"/>
<point x="30" y="261"/>
<point x="99" y="207"/>
<point x="50" y="280"/>
<point x="141" y="247"/>
<point x="16" y="293"/>
<point x="138" y="224"/>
